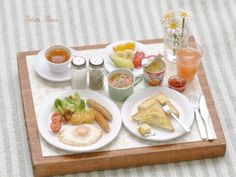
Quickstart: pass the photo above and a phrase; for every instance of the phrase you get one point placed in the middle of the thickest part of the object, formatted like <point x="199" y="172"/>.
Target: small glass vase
<point x="174" y="40"/>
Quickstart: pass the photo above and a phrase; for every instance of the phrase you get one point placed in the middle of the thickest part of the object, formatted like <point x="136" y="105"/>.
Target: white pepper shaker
<point x="96" y="73"/>
<point x="79" y="73"/>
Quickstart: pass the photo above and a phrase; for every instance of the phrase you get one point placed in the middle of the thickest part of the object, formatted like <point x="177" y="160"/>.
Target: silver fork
<point x="167" y="109"/>
<point x="194" y="100"/>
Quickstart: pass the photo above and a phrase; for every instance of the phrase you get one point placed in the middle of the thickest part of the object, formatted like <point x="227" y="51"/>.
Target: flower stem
<point x="183" y="24"/>
<point x="175" y="42"/>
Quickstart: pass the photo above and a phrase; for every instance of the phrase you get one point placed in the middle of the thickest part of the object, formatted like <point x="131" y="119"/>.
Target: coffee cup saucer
<point x="42" y="69"/>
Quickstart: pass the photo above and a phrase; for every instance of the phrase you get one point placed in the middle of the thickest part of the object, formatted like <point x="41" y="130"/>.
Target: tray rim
<point x="42" y="166"/>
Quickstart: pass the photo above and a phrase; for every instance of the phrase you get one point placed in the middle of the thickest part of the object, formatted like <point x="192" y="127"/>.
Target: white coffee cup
<point x="56" y="66"/>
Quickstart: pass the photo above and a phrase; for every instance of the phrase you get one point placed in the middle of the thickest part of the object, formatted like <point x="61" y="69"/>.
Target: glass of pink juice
<point x="188" y="60"/>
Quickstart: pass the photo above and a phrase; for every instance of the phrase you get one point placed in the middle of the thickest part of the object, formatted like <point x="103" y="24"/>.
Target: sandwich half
<point x="154" y="115"/>
<point x="161" y="98"/>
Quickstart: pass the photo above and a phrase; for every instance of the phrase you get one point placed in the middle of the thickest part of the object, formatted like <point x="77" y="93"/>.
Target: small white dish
<point x="44" y="120"/>
<point x="186" y="113"/>
<point x="108" y="51"/>
<point x="42" y="69"/>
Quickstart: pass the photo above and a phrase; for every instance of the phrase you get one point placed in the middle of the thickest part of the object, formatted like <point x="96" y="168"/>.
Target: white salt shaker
<point x="79" y="73"/>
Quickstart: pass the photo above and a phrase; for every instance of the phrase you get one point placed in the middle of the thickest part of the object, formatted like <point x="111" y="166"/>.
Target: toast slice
<point x="161" y="98"/>
<point x="164" y="99"/>
<point x="154" y="115"/>
<point x="147" y="103"/>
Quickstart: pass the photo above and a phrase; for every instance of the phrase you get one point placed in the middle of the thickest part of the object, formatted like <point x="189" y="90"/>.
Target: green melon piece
<point x="121" y="62"/>
<point x="129" y="54"/>
<point x="121" y="53"/>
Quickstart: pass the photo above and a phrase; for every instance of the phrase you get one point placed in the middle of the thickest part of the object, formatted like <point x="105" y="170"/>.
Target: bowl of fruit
<point x="125" y="54"/>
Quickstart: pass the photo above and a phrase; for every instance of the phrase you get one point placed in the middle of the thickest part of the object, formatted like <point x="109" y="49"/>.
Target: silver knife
<point x="205" y="117"/>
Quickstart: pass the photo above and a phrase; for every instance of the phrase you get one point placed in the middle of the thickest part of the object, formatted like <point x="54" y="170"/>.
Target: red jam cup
<point x="154" y="72"/>
<point x="174" y="82"/>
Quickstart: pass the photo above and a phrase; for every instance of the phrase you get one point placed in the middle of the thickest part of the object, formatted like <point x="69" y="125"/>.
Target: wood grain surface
<point x="65" y="164"/>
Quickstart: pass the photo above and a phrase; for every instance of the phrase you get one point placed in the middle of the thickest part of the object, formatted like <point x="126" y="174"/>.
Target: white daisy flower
<point x="173" y="25"/>
<point x="185" y="14"/>
<point x="168" y="16"/>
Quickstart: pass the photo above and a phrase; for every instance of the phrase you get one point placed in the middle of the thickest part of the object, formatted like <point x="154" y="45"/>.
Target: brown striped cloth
<point x="31" y="25"/>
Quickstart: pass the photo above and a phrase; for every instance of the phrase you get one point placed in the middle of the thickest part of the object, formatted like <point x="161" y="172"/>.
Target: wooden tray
<point x="64" y="164"/>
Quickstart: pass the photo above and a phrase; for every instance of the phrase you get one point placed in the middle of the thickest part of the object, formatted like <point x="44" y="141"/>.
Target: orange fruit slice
<point x="130" y="45"/>
<point x="125" y="46"/>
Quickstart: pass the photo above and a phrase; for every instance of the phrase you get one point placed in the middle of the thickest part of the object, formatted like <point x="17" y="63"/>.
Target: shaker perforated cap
<point x="78" y="62"/>
<point x="96" y="61"/>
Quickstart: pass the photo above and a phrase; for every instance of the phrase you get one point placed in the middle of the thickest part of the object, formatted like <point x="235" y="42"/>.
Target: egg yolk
<point x="82" y="131"/>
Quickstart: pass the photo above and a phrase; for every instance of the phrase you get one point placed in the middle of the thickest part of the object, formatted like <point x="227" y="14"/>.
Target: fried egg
<point x="82" y="135"/>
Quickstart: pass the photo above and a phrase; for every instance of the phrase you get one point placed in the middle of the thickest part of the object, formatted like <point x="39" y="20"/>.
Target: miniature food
<point x="120" y="80"/>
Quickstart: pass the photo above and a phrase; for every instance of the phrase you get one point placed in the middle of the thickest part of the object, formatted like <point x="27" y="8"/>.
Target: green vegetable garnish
<point x="82" y="105"/>
<point x="57" y="103"/>
<point x="77" y="97"/>
<point x="69" y="104"/>
<point x="57" y="107"/>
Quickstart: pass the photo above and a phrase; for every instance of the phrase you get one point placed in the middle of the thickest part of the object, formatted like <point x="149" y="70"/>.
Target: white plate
<point x="42" y="69"/>
<point x="108" y="51"/>
<point x="178" y="100"/>
<point x="44" y="120"/>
